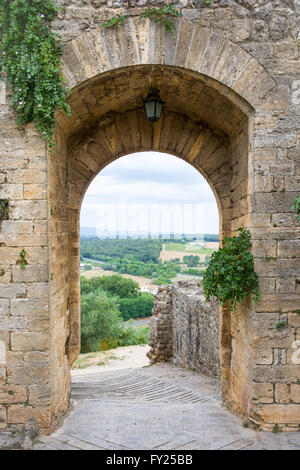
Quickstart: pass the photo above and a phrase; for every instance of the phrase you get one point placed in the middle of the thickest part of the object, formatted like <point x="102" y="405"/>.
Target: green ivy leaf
<point x="230" y="275"/>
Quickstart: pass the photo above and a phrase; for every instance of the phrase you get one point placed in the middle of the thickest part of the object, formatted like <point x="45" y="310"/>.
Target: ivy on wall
<point x="30" y="60"/>
<point x="230" y="274"/>
<point x="161" y="15"/>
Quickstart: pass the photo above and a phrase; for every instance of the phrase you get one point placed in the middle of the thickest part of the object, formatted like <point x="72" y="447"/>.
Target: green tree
<point x="161" y="279"/>
<point x="115" y="285"/>
<point x="100" y="320"/>
<point x="191" y="261"/>
<point x="138" y="307"/>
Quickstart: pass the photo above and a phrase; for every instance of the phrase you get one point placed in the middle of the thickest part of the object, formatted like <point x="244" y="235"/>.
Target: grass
<point x="132" y="335"/>
<point x="189" y="249"/>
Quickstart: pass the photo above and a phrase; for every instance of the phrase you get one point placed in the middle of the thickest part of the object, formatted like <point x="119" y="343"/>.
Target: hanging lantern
<point x="153" y="106"/>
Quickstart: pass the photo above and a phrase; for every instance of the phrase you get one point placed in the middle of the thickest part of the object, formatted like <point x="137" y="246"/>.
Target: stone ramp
<point x="156" y="408"/>
<point x="135" y="386"/>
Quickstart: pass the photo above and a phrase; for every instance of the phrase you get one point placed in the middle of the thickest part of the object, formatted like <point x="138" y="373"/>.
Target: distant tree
<point x="191" y="261"/>
<point x="115" y="285"/>
<point x="137" y="307"/>
<point x="160" y="280"/>
<point x="100" y="320"/>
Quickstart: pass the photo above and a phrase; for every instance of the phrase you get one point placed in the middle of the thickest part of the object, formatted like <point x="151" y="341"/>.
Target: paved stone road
<point x="159" y="407"/>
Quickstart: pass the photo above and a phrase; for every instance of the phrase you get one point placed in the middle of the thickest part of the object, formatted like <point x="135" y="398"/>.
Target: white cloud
<point x="150" y="178"/>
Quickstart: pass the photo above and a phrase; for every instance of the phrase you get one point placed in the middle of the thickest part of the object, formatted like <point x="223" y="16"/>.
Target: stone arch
<point x="210" y="87"/>
<point x="191" y="47"/>
<point x="252" y="99"/>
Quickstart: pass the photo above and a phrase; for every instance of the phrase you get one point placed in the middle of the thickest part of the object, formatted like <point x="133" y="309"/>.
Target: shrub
<point x="100" y="320"/>
<point x="137" y="307"/>
<point x="132" y="336"/>
<point x="230" y="275"/>
<point x="115" y="285"/>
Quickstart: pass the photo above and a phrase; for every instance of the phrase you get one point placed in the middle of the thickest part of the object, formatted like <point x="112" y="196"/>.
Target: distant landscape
<point x="157" y="260"/>
<point x="119" y="278"/>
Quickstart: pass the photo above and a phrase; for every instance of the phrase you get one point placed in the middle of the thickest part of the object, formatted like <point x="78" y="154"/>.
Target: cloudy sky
<point x="150" y="191"/>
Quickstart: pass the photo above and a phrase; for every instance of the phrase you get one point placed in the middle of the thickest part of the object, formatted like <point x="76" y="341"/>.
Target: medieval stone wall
<point x="184" y="328"/>
<point x="229" y="77"/>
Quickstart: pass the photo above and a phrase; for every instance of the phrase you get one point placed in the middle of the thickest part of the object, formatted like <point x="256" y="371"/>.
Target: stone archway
<point x="215" y="95"/>
<point x="205" y="122"/>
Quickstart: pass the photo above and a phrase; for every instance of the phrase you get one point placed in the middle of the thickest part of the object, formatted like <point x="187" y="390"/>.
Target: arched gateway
<point x="217" y="101"/>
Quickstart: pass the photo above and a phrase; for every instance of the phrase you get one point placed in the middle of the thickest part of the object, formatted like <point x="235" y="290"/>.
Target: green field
<point x="188" y="248"/>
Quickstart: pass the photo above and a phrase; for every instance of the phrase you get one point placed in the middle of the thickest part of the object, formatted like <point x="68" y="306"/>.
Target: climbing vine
<point x="30" y="59"/>
<point x="115" y="20"/>
<point x="22" y="261"/>
<point x="230" y="275"/>
<point x="161" y="15"/>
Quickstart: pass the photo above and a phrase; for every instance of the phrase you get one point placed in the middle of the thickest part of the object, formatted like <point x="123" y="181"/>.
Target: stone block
<point x="284" y="286"/>
<point x="295" y="393"/>
<point x="39" y="395"/>
<point x="3" y="420"/>
<point x="31" y="274"/>
<point x="282" y="393"/>
<point x="20" y="414"/>
<point x="38" y="290"/>
<point x="2" y="353"/>
<point x="12" y="291"/>
<point x="35" y="191"/>
<point x="12" y="394"/>
<point x="30" y="307"/>
<point x="261" y="392"/>
<point x="29" y="210"/>
<point x="278" y="414"/>
<point x="29" y="341"/>
<point x="29" y="176"/>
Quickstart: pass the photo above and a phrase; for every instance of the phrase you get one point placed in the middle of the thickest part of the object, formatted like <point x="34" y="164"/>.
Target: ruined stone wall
<point x="184" y="328"/>
<point x="161" y="326"/>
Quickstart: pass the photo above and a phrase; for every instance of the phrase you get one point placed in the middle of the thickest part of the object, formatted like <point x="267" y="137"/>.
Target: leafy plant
<point x="30" y="59"/>
<point x="276" y="429"/>
<point x="100" y="320"/>
<point x="296" y="207"/>
<point x="162" y="16"/>
<point x="4" y="209"/>
<point x="23" y="261"/>
<point x="281" y="325"/>
<point x="230" y="274"/>
<point x="115" y="20"/>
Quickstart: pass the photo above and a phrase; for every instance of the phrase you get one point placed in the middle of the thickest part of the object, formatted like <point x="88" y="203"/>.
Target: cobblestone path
<point x="160" y="407"/>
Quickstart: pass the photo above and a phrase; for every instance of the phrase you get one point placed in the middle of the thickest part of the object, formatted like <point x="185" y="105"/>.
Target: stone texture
<point x="184" y="328"/>
<point x="232" y="105"/>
